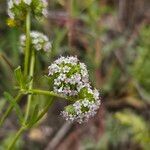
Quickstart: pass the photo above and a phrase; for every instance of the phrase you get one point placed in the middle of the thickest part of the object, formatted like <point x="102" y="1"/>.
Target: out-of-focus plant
<point x="68" y="76"/>
<point x="121" y="128"/>
<point x="5" y="142"/>
<point x="115" y="133"/>
<point x="139" y="128"/>
<point x="141" y="71"/>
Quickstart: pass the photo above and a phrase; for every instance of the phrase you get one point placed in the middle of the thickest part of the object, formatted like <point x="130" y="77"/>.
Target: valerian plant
<point x="69" y="77"/>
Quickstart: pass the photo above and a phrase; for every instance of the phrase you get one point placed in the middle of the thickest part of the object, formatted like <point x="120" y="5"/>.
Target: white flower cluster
<point x="39" y="41"/>
<point x="17" y="8"/>
<point x="70" y="76"/>
<point x="71" y="79"/>
<point x="83" y="109"/>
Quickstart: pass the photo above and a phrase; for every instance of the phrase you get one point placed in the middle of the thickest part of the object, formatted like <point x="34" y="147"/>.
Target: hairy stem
<point x="7" y="112"/>
<point x="27" y="48"/>
<point x="18" y="134"/>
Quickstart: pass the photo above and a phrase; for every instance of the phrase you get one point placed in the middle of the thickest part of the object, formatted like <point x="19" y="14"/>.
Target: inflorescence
<point x="17" y="9"/>
<point x="39" y="41"/>
<point x="71" y="79"/>
<point x="70" y="76"/>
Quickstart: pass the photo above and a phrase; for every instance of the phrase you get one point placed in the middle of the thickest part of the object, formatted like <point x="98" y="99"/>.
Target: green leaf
<point x="19" y="77"/>
<point x="34" y="116"/>
<point x="15" y="105"/>
<point x="22" y="80"/>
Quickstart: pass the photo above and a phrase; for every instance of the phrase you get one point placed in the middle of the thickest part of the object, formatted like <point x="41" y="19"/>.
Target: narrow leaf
<point x="34" y="116"/>
<point x="11" y="100"/>
<point x="19" y="76"/>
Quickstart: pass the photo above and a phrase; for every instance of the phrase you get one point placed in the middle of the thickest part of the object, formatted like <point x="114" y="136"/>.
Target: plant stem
<point x="27" y="48"/>
<point x="31" y="73"/>
<point x="48" y="93"/>
<point x="7" y="112"/>
<point x="18" y="134"/>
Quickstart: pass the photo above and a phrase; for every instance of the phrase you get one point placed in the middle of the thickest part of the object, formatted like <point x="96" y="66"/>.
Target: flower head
<point x="17" y="9"/>
<point x="83" y="109"/>
<point x="39" y="41"/>
<point x="70" y="76"/>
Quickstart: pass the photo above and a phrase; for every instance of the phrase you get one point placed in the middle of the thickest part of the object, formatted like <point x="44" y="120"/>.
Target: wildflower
<point x="67" y="72"/>
<point x="71" y="79"/>
<point x="17" y="9"/>
<point x="39" y="41"/>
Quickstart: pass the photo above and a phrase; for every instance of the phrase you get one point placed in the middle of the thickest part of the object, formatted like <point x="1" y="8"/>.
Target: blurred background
<point x="112" y="37"/>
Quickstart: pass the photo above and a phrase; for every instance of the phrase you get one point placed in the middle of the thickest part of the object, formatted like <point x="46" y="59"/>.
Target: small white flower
<point x="96" y="94"/>
<point x="57" y="82"/>
<point x="38" y="47"/>
<point x="66" y="69"/>
<point x="35" y="41"/>
<point x="62" y="77"/>
<point x="85" y="102"/>
<point x="60" y="90"/>
<point x="77" y="105"/>
<point x="54" y="68"/>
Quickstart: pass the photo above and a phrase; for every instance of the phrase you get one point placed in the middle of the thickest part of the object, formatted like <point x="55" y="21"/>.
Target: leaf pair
<point x="22" y="80"/>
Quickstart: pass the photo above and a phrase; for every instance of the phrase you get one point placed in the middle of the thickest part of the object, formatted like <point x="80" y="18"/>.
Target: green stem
<point x="48" y="93"/>
<point x="18" y="134"/>
<point x="27" y="48"/>
<point x="26" y="69"/>
<point x="31" y="73"/>
<point x="18" y="97"/>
